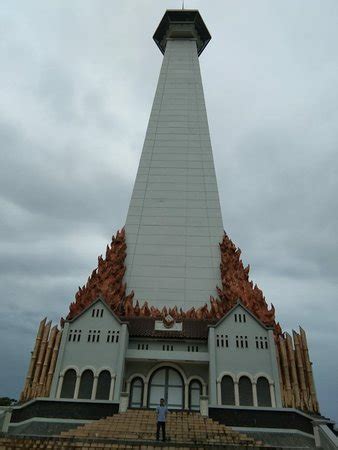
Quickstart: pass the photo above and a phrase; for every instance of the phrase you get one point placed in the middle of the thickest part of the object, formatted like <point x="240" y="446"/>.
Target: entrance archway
<point x="166" y="383"/>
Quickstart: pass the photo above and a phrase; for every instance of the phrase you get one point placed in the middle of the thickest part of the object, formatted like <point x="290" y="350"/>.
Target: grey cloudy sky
<point x="77" y="81"/>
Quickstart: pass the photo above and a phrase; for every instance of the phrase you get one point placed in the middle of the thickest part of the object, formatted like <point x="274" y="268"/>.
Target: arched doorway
<point x="166" y="383"/>
<point x="245" y="391"/>
<point x="195" y="392"/>
<point x="86" y="384"/>
<point x="227" y="390"/>
<point x="263" y="392"/>
<point x="136" y="393"/>
<point x="68" y="385"/>
<point x="103" y="385"/>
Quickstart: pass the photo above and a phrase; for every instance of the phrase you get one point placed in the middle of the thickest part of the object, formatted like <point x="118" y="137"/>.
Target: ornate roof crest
<point x="168" y="321"/>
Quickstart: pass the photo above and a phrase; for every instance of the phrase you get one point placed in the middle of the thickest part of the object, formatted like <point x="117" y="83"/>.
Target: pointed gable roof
<point x="98" y="300"/>
<point x="240" y="304"/>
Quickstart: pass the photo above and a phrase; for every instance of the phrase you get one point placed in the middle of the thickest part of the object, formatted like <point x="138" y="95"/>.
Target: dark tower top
<point x="182" y="24"/>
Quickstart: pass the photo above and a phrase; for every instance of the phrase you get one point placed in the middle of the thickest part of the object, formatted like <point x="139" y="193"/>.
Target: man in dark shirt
<point x="161" y="412"/>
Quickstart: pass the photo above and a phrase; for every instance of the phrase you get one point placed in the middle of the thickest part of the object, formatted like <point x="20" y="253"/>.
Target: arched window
<point x="245" y="392"/>
<point x="103" y="385"/>
<point x="227" y="390"/>
<point x="136" y="393"/>
<point x="195" y="391"/>
<point x="263" y="392"/>
<point x="86" y="385"/>
<point x="68" y="385"/>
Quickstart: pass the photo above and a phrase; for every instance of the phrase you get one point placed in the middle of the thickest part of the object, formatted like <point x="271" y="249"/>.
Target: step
<point x="181" y="428"/>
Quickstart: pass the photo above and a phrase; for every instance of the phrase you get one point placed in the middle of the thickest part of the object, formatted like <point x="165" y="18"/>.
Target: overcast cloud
<point x="77" y="81"/>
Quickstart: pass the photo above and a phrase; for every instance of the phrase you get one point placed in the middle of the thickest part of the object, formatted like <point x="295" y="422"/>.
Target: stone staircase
<point x="183" y="428"/>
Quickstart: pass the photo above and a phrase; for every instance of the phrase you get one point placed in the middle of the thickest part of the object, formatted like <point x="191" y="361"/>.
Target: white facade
<point x="95" y="341"/>
<point x="178" y="369"/>
<point x="241" y="346"/>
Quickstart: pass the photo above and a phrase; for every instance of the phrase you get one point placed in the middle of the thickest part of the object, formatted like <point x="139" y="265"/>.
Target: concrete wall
<point x="174" y="222"/>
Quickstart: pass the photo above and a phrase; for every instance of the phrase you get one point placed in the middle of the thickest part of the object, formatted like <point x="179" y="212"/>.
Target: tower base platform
<point x="48" y="423"/>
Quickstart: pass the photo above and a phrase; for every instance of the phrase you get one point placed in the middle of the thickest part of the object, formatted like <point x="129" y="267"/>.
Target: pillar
<point x="112" y="387"/>
<point x="53" y="363"/>
<point x="212" y="367"/>
<point x="204" y="407"/>
<point x="272" y="395"/>
<point x="124" y="337"/>
<point x="145" y="394"/>
<point x="59" y="351"/>
<point x="286" y="371"/>
<point x="186" y="395"/>
<point x="58" y="392"/>
<point x="94" y="387"/>
<point x="124" y="401"/>
<point x="47" y="360"/>
<point x="309" y="373"/>
<point x="291" y="358"/>
<point x="219" y="392"/>
<point x="254" y="393"/>
<point x="236" y="393"/>
<point x="77" y="386"/>
<point x="31" y="369"/>
<point x="41" y="357"/>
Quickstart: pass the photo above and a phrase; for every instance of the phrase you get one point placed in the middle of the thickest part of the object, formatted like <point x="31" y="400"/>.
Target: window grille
<point x="97" y="312"/>
<point x="261" y="342"/>
<point x="242" y="342"/>
<point x="74" y="335"/>
<point x="113" y="336"/>
<point x="93" y="336"/>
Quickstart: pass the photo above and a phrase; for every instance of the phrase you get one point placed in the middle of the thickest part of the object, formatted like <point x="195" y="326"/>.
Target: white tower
<point x="174" y="224"/>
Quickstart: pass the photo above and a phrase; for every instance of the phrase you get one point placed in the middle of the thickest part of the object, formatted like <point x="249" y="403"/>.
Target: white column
<point x="186" y="396"/>
<point x="272" y="395"/>
<point x="236" y="393"/>
<point x="58" y="392"/>
<point x="145" y="394"/>
<point x="119" y="368"/>
<point x="124" y="401"/>
<point x="204" y="410"/>
<point x="112" y="386"/>
<point x="212" y="367"/>
<point x="77" y="386"/>
<point x="94" y="387"/>
<point x="128" y="384"/>
<point x="254" y="393"/>
<point x="57" y="371"/>
<point x="219" y="393"/>
<point x="204" y="389"/>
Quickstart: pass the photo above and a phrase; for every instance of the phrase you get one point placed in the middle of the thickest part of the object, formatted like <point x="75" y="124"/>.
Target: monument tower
<point x="170" y="310"/>
<point x="174" y="223"/>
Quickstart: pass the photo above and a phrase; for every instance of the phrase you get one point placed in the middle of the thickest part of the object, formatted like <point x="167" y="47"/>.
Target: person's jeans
<point x="160" y="425"/>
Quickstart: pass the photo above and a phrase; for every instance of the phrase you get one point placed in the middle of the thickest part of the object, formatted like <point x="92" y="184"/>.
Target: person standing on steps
<point x="161" y="412"/>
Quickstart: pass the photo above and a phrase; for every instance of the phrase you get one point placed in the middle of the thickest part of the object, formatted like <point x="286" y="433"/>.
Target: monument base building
<point x="170" y="311"/>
